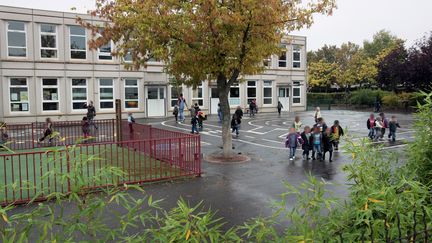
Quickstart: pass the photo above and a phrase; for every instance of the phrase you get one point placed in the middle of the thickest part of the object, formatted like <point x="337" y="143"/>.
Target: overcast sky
<point x="354" y="20"/>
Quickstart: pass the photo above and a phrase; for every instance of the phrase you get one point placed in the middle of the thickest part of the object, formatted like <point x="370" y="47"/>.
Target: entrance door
<point x="214" y="100"/>
<point x="155" y="101"/>
<point x="284" y="97"/>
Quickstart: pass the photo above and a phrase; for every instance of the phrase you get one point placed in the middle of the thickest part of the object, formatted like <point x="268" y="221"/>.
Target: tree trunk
<point x="223" y="90"/>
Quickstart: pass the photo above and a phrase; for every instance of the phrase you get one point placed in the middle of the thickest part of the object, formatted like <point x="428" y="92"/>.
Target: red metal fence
<point x="148" y="154"/>
<point x="26" y="136"/>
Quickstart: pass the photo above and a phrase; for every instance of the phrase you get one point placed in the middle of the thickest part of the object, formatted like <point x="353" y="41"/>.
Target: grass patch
<point x="46" y="170"/>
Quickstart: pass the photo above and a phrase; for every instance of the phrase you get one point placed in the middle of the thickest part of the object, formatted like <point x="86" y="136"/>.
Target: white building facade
<point x="48" y="70"/>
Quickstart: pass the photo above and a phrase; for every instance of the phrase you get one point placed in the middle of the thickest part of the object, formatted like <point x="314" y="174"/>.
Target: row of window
<point x="251" y="93"/>
<point x="19" y="94"/>
<point x="17" y="42"/>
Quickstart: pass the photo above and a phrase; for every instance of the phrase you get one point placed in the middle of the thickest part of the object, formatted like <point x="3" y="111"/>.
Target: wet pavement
<point x="243" y="191"/>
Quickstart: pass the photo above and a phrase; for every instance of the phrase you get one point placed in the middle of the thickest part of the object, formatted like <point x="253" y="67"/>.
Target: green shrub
<point x="366" y="97"/>
<point x="392" y="100"/>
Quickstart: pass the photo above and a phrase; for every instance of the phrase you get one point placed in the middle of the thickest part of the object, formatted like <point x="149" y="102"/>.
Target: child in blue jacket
<point x="292" y="141"/>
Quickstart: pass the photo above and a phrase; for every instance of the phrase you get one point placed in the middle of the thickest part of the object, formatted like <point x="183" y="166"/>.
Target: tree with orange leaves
<point x="218" y="40"/>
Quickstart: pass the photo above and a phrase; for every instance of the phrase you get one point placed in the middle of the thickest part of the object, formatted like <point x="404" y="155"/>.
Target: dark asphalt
<point x="242" y="191"/>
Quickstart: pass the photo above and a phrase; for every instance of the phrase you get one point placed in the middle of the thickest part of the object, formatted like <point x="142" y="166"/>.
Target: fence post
<point x="68" y="167"/>
<point x="118" y="120"/>
<point x="32" y="131"/>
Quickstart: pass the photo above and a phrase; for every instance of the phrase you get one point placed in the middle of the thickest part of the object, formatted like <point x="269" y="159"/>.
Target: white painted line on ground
<point x="283" y="135"/>
<point x="392" y="147"/>
<point x="249" y="137"/>
<point x="272" y="141"/>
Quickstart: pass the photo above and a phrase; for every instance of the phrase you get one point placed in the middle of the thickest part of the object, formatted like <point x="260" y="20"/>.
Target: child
<point x="393" y="125"/>
<point x="297" y="124"/>
<point x="194" y="122"/>
<point x="176" y="112"/>
<point x="219" y="113"/>
<point x="370" y="124"/>
<point x="3" y="134"/>
<point x="292" y="141"/>
<point x="378" y="128"/>
<point x="131" y="121"/>
<point x="307" y="142"/>
<point x="336" y="132"/>
<point x="327" y="144"/>
<point x="317" y="114"/>
<point x="235" y="124"/>
<point x="279" y="107"/>
<point x="316" y="143"/>
<point x="385" y="124"/>
<point x="201" y="118"/>
<point x="85" y="125"/>
<point x="196" y="108"/>
<point x="321" y="125"/>
<point x="48" y="131"/>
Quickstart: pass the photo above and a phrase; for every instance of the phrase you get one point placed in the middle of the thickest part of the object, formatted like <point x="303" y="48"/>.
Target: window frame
<point x="284" y="51"/>
<point x="16" y="47"/>
<point x="48" y="48"/>
<point x="112" y="86"/>
<point x="57" y="86"/>
<point x="172" y="98"/>
<point x="267" y="62"/>
<point x="248" y="98"/>
<point x="138" y="93"/>
<point x="18" y="102"/>
<point x="79" y="101"/>
<point x="271" y="93"/>
<point x="99" y="53"/>
<point x="198" y="99"/>
<point x="297" y="85"/>
<point x="70" y="43"/>
<point x="230" y="98"/>
<point x="296" y="49"/>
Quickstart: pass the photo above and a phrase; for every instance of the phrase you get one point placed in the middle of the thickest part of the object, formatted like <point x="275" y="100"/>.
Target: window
<point x="50" y="95"/>
<point x="127" y="57"/>
<point x="296" y="93"/>
<point x="251" y="91"/>
<point x="283" y="57"/>
<point x="268" y="93"/>
<point x="175" y="93"/>
<point x="48" y="41"/>
<point x="16" y="39"/>
<point x="296" y="56"/>
<point x="267" y="62"/>
<point x="18" y="90"/>
<point x="284" y="92"/>
<point x="106" y="93"/>
<point x="79" y="93"/>
<point x="197" y="96"/>
<point x="234" y="95"/>
<point x="78" y="42"/>
<point x="131" y="93"/>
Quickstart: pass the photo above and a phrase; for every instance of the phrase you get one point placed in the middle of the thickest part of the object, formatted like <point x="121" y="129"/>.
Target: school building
<point x="48" y="70"/>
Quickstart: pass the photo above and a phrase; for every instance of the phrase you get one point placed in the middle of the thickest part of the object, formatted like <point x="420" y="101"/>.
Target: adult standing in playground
<point x="91" y="113"/>
<point x="181" y="102"/>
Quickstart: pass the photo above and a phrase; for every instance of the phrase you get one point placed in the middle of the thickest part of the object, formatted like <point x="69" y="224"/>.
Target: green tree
<point x="326" y="53"/>
<point x="204" y="39"/>
<point x="381" y="40"/>
<point x="322" y="74"/>
<point x="362" y="69"/>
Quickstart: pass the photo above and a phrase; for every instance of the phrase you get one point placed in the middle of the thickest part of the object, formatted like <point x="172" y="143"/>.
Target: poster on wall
<point x="24" y="107"/>
<point x="14" y="96"/>
<point x="23" y="96"/>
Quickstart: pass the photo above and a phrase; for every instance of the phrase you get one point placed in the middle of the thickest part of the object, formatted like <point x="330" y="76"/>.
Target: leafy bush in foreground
<point x="386" y="201"/>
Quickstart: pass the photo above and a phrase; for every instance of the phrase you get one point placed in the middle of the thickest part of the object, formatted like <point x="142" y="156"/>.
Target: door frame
<point x="147" y="99"/>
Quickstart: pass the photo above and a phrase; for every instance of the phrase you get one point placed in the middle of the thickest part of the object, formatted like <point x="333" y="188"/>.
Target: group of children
<point x="377" y="127"/>
<point x="319" y="139"/>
